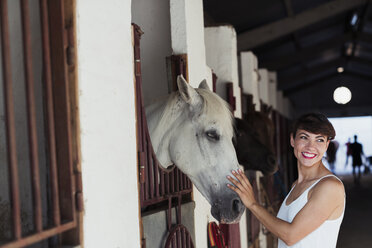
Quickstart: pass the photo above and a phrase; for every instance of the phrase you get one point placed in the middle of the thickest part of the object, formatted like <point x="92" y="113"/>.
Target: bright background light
<point x="342" y="95"/>
<point x="340" y="69"/>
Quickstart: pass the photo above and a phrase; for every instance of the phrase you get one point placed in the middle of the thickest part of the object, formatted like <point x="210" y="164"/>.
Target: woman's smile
<point x="308" y="155"/>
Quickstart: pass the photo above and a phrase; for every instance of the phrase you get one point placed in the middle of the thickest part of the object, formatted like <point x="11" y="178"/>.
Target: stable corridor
<point x="356" y="229"/>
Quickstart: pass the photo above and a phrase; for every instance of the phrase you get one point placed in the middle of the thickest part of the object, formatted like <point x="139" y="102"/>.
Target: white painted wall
<point x="263" y="84"/>
<point x="154" y="19"/>
<point x="287" y="107"/>
<point x="221" y="55"/>
<point x="279" y="101"/>
<point x="107" y="121"/>
<point x="249" y="76"/>
<point x="272" y="89"/>
<point x="187" y="29"/>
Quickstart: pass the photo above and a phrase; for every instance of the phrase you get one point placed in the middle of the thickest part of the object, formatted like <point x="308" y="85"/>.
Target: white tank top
<point x="325" y="236"/>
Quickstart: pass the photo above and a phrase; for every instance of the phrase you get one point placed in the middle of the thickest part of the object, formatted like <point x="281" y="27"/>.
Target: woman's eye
<point x="212" y="135"/>
<point x="302" y="137"/>
<point x="321" y="140"/>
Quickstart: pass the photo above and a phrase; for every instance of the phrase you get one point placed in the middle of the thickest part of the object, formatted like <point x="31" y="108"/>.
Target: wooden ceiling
<point x="305" y="41"/>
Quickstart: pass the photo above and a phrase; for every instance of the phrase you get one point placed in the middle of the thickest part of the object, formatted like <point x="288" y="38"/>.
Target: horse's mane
<point x="213" y="106"/>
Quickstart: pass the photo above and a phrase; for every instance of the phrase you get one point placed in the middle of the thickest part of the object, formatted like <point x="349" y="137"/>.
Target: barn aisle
<point x="356" y="228"/>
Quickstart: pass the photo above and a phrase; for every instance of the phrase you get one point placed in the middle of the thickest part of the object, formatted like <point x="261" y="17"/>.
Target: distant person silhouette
<point x="356" y="153"/>
<point x="331" y="154"/>
<point x="348" y="151"/>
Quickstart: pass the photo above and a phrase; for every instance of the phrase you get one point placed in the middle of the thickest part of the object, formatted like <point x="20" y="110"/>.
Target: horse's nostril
<point x="236" y="205"/>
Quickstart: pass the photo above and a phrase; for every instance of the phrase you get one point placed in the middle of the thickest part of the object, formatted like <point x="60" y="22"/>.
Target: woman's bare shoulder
<point x="330" y="185"/>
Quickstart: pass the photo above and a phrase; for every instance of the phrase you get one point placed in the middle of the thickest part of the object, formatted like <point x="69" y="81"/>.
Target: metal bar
<point x="178" y="209"/>
<point x="169" y="217"/>
<point x="167" y="183"/>
<point x="179" y="238"/>
<point x="162" y="183"/>
<point x="40" y="236"/>
<point x="62" y="109"/>
<point x="10" y="123"/>
<point x="50" y="112"/>
<point x="31" y="115"/>
<point x="151" y="171"/>
<point x="174" y="240"/>
<point x="181" y="181"/>
<point x="177" y="179"/>
<point x="172" y="181"/>
<point x="157" y="173"/>
<point x="147" y="173"/>
<point x="183" y="238"/>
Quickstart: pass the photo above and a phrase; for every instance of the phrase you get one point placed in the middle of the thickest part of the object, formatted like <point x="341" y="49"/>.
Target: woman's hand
<point x="242" y="187"/>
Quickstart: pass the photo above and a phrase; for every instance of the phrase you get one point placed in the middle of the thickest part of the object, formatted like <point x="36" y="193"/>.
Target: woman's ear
<point x="292" y="139"/>
<point x="328" y="141"/>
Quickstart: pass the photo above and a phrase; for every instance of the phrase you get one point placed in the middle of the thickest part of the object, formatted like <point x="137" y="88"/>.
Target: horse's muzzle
<point x="229" y="210"/>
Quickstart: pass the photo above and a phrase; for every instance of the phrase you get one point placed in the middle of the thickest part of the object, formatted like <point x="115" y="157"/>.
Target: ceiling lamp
<point x="342" y="95"/>
<point x="340" y="69"/>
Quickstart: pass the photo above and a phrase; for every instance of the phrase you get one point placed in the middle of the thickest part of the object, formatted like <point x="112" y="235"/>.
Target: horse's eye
<point x="213" y="135"/>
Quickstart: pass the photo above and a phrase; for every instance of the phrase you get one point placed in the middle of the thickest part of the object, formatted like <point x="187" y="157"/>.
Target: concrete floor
<point x="356" y="228"/>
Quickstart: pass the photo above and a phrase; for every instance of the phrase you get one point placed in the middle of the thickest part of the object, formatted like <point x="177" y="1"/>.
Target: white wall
<point x="221" y="54"/>
<point x="272" y="89"/>
<point x="154" y="19"/>
<point x="107" y="121"/>
<point x="263" y="84"/>
<point x="249" y="76"/>
<point x="187" y="29"/>
<point x="279" y="101"/>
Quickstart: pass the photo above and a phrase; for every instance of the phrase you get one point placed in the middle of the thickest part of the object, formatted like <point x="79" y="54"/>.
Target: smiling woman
<point x="312" y="212"/>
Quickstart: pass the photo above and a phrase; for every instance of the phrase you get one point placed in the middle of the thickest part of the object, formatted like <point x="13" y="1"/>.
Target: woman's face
<point x="309" y="148"/>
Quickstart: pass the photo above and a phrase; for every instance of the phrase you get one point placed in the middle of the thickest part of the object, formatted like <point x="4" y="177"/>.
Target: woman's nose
<point x="310" y="143"/>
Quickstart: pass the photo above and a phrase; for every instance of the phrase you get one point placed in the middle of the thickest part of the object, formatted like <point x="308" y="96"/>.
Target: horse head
<point x="193" y="130"/>
<point x="254" y="143"/>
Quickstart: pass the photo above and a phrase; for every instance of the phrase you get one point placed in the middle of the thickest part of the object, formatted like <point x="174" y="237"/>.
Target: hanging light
<point x="342" y="95"/>
<point x="340" y="69"/>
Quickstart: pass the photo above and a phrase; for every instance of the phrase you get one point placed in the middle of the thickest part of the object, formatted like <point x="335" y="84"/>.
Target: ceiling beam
<point x="359" y="75"/>
<point x="294" y="80"/>
<point x="289" y="82"/>
<point x="311" y="83"/>
<point x="261" y="35"/>
<point x="362" y="61"/>
<point x="307" y="53"/>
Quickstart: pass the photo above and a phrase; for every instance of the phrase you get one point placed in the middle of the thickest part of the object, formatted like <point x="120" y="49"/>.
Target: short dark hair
<point x="314" y="123"/>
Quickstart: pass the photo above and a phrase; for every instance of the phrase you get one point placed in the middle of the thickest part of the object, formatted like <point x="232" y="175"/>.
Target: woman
<point x="312" y="212"/>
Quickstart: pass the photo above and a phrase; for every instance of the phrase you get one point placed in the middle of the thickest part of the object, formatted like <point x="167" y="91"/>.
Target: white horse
<point x="193" y="129"/>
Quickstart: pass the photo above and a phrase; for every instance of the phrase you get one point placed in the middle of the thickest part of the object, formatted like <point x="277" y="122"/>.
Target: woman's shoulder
<point x="330" y="184"/>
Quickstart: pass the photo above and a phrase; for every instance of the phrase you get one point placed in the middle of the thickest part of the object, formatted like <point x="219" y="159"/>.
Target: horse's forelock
<point x="218" y="109"/>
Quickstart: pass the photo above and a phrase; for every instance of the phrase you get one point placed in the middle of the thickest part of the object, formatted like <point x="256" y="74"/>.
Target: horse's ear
<point x="187" y="92"/>
<point x="204" y="85"/>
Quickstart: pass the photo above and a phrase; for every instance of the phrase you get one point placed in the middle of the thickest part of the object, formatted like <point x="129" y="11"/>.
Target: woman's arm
<point x="325" y="199"/>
